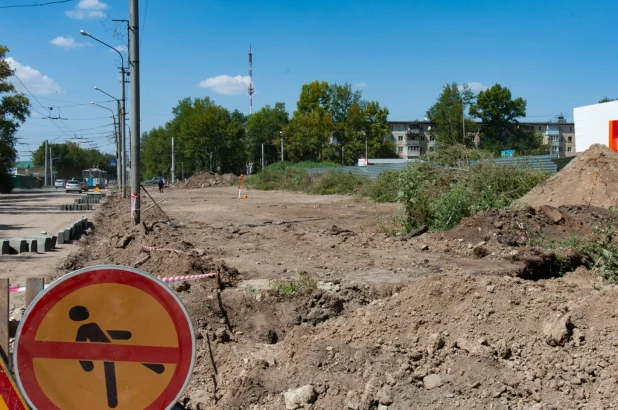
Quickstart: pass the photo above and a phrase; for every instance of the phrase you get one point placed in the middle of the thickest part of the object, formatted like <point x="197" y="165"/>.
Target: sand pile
<point x="210" y="179"/>
<point x="590" y="179"/>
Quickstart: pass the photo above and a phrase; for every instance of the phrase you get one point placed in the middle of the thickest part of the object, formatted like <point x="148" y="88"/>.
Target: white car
<point x="73" y="186"/>
<point x="60" y="183"/>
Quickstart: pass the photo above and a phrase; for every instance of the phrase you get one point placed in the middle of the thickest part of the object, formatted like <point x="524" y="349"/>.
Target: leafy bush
<point x="443" y="190"/>
<point x="335" y="182"/>
<point x="286" y="178"/>
<point x="385" y="188"/>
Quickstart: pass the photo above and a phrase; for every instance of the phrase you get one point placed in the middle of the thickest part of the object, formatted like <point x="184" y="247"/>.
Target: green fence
<point x="27" y="182"/>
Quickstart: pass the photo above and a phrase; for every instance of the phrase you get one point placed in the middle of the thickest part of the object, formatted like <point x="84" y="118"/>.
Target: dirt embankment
<point x="209" y="180"/>
<point x="589" y="179"/>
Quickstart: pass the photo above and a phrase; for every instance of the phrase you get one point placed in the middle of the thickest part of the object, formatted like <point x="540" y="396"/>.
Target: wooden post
<point x="34" y="286"/>
<point x="4" y="319"/>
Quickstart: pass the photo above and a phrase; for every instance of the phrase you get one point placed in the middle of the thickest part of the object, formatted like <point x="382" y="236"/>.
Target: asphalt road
<point x="30" y="211"/>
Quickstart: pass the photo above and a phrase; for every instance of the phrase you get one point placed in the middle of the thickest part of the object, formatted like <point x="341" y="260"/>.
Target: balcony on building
<point x="414" y="143"/>
<point x="413" y="131"/>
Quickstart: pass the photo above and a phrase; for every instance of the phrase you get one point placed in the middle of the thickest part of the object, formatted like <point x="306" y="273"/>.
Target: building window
<point x="570" y="139"/>
<point x="421" y="128"/>
<point x="422" y="138"/>
<point x="431" y="149"/>
<point x="560" y="129"/>
<point x="400" y="149"/>
<point x="400" y="138"/>
<point x="540" y="128"/>
<point x="392" y="128"/>
<point x="432" y="138"/>
<point x="422" y="150"/>
<point x="570" y="129"/>
<point x="569" y="149"/>
<point x="561" y="139"/>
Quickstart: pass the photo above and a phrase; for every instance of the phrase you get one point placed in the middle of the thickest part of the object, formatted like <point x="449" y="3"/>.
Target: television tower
<point x="251" y="90"/>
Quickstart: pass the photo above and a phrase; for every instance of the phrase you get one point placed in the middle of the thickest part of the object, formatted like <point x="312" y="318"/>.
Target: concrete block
<point x="67" y="235"/>
<point x="4" y="247"/>
<point x="33" y="245"/>
<point x="18" y="245"/>
<point x="44" y="242"/>
<point x="60" y="240"/>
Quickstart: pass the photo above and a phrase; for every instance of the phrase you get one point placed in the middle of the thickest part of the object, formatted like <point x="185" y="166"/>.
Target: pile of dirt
<point x="448" y="341"/>
<point x="589" y="179"/>
<point x="210" y="179"/>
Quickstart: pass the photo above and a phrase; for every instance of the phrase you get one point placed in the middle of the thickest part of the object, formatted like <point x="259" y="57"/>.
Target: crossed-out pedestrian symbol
<point x="91" y="332"/>
<point x="104" y="337"/>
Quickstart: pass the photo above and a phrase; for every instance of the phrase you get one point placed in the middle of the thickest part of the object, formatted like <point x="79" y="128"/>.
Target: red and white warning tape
<point x="171" y="279"/>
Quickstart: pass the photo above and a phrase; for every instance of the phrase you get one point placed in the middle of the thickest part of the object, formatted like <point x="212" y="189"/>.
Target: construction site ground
<point x="318" y="305"/>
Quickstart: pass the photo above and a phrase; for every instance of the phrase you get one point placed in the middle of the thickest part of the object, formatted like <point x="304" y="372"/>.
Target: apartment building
<point x="415" y="138"/>
<point x="560" y="133"/>
<point x="412" y="138"/>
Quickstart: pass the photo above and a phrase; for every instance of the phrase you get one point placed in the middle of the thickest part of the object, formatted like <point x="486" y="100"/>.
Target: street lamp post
<point x="51" y="168"/>
<point x="122" y="174"/>
<point x="118" y="170"/>
<point x="122" y="113"/>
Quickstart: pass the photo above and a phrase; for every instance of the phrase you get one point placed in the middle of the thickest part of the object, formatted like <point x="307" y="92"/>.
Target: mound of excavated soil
<point x="210" y="179"/>
<point x="589" y="179"/>
<point x="447" y="341"/>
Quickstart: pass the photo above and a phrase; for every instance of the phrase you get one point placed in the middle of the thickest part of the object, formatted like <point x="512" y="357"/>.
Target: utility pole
<point x="281" y="134"/>
<point x="262" y="156"/>
<point x="173" y="163"/>
<point x="210" y="161"/>
<point x="135" y="110"/>
<point x="119" y="147"/>
<point x="463" y="119"/>
<point x="123" y="133"/>
<point x="182" y="166"/>
<point x="46" y="169"/>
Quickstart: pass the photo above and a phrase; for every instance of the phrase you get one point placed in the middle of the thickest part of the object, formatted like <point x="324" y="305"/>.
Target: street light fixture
<point x="121" y="112"/>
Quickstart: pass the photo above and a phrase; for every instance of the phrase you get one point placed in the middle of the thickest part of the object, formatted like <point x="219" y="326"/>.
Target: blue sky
<point x="555" y="54"/>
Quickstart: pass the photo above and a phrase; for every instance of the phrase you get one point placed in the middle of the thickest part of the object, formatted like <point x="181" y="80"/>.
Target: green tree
<point x="14" y="108"/>
<point x="264" y="127"/>
<point x="498" y="112"/>
<point x="205" y="135"/>
<point x="606" y="99"/>
<point x="333" y="122"/>
<point x="73" y="159"/>
<point x="448" y="115"/>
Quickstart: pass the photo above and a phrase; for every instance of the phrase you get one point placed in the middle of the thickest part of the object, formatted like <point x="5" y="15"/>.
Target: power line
<point x="49" y="3"/>
<point x="24" y="85"/>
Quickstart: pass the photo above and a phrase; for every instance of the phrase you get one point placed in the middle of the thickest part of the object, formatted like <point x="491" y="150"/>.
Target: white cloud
<point x="476" y="86"/>
<point x="360" y="85"/>
<point x="226" y="85"/>
<point x="36" y="82"/>
<point x="67" y="42"/>
<point x="122" y="49"/>
<point x="87" y="9"/>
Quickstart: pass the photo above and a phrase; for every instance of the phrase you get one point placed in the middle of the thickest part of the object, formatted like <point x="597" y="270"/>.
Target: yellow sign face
<point x="108" y="339"/>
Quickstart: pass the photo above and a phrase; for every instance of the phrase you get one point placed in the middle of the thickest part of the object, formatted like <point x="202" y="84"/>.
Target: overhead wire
<point x="49" y="3"/>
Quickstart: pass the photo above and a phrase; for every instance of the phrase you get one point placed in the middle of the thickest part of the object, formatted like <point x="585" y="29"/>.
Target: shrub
<point x="6" y="182"/>
<point x="442" y="191"/>
<point x="336" y="182"/>
<point x="385" y="188"/>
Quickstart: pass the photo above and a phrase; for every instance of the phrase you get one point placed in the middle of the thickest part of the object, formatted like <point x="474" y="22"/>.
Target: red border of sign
<point x="34" y="315"/>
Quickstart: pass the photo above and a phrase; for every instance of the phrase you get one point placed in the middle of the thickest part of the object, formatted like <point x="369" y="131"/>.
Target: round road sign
<point x="104" y="337"/>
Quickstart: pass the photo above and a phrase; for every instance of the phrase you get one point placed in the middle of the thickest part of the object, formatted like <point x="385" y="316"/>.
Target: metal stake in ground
<point x="155" y="202"/>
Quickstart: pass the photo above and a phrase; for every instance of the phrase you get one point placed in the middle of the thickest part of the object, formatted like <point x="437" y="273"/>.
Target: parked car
<point x="155" y="181"/>
<point x="60" y="183"/>
<point x="82" y="182"/>
<point x="73" y="185"/>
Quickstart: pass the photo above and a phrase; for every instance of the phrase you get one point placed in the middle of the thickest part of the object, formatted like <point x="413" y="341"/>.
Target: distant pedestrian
<point x="160" y="183"/>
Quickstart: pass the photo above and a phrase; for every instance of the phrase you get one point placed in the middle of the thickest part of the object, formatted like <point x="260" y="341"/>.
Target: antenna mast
<point x="251" y="90"/>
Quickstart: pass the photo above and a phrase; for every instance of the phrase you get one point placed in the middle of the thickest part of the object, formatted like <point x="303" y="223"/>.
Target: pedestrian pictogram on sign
<point x="105" y="337"/>
<point x="10" y="398"/>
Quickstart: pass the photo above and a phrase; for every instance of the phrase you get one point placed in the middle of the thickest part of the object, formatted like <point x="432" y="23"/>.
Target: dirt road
<point x="28" y="212"/>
